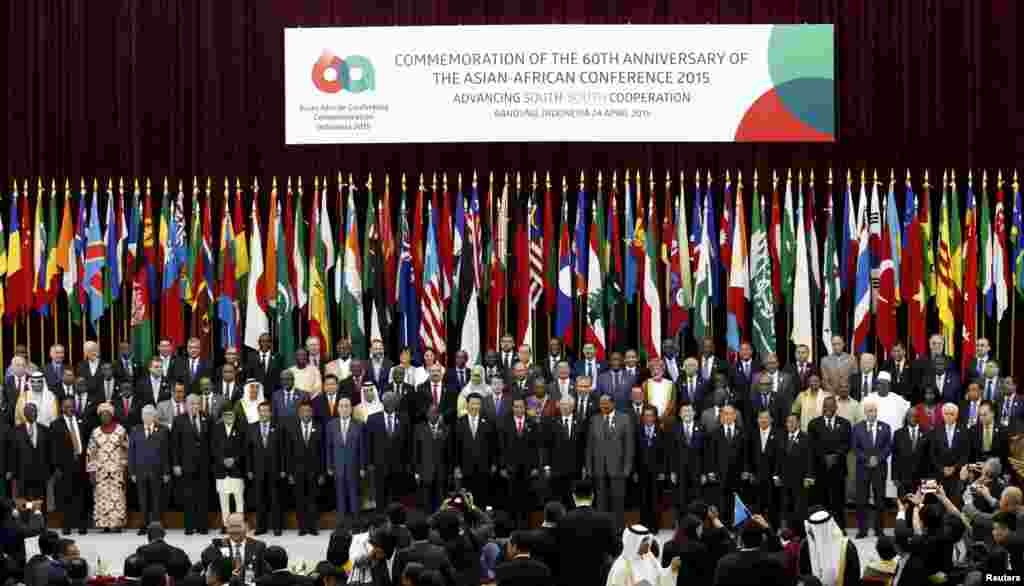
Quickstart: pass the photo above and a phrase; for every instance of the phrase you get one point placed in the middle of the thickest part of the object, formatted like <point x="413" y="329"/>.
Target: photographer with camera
<point x="18" y="523"/>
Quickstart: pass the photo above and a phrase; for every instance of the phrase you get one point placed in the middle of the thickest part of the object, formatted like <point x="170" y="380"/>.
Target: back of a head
<point x="430" y="578"/>
<point x="448" y="524"/>
<point x="886" y="547"/>
<point x="418" y="526"/>
<point x="48" y="541"/>
<point x="808" y="580"/>
<point x="751" y="535"/>
<point x="154" y="575"/>
<point x="78" y="569"/>
<point x="583" y="490"/>
<point x="396" y="514"/>
<point x="503" y="524"/>
<point x="523" y="541"/>
<point x="553" y="512"/>
<point x="155" y="532"/>
<point x="222" y="569"/>
<point x="339" y="546"/>
<point x="413" y="571"/>
<point x="133" y="566"/>
<point x="931" y="517"/>
<point x="275" y="558"/>
<point x="698" y="508"/>
<point x="1008" y="520"/>
<point x="691" y="527"/>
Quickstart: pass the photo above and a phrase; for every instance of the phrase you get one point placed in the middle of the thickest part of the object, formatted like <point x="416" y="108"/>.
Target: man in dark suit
<point x="227" y="452"/>
<point x="190" y="456"/>
<point x="387" y="442"/>
<point x="411" y="404"/>
<point x="782" y="389"/>
<point x="753" y="563"/>
<point x="611" y="442"/>
<point x="85" y="407"/>
<point x="126" y="365"/>
<point x="89" y="367"/>
<point x="556" y="354"/>
<point x="561" y="382"/>
<point x="744" y="370"/>
<point x="589" y="364"/>
<point x="498" y="405"/>
<point x="763" y="398"/>
<point x="725" y="462"/>
<point x="434" y="393"/>
<point x="346" y="459"/>
<point x="801" y="368"/>
<point x="305" y="467"/>
<point x="950" y="448"/>
<point x="69" y="443"/>
<point x="691" y="387"/>
<point x="615" y="382"/>
<point x="475" y="451"/>
<point x="982" y="356"/>
<point x="326" y="404"/>
<point x="247" y="554"/>
<point x="632" y="366"/>
<point x="54" y="370"/>
<point x="829" y="438"/>
<point x="31" y="456"/>
<point x="793" y="475"/>
<point x="587" y="403"/>
<point x="286" y="401"/>
<point x="521" y="569"/>
<point x="947" y="380"/>
<point x="229" y="386"/>
<point x="109" y="385"/>
<point x="862" y="383"/>
<point x="193" y="367"/>
<point x="589" y="540"/>
<point x="149" y="464"/>
<point x="264" y="453"/>
<point x="379" y="365"/>
<point x="910" y="453"/>
<point x="519" y="459"/>
<point x="65" y="386"/>
<point x="872" y="444"/>
<point x="650" y="458"/>
<point x="263" y="364"/>
<point x="507" y="352"/>
<point x="988" y="439"/>
<point x="154" y="387"/>
<point x="352" y="387"/>
<point x="685" y="457"/>
<point x="431" y="447"/>
<point x="127" y="407"/>
<point x="422" y="551"/>
<point x="158" y="551"/>
<point x="898" y="368"/>
<point x="564" y="450"/>
<point x="457" y="377"/>
<point x="764" y="451"/>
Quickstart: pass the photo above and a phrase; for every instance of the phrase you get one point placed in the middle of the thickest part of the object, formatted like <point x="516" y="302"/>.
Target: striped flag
<point x="739" y="276"/>
<point x="986" y="274"/>
<point x="321" y="261"/>
<point x="432" y="327"/>
<point x="650" y="304"/>
<point x="1018" y="238"/>
<point x="95" y="259"/>
<point x="563" y="316"/>
<point x="907" y="285"/>
<point x="408" y="302"/>
<point x="256" y="307"/>
<point x="299" y="265"/>
<point x="833" y="284"/>
<point x="918" y="300"/>
<point x="887" y="291"/>
<point x="702" y="325"/>
<point x="579" y="246"/>
<point x="352" y="295"/>
<point x="892" y="218"/>
<point x="536" y="257"/>
<point x="945" y="294"/>
<point x="775" y="242"/>
<point x="499" y="259"/>
<point x="1000" y="267"/>
<point x="862" y="288"/>
<point x="788" y="244"/>
<point x="968" y="338"/>
<point x="675" y="265"/>
<point x="227" y="301"/>
<point x="630" y="273"/>
<point x="472" y="273"/>
<point x="802" y="332"/>
<point x="761" y="281"/>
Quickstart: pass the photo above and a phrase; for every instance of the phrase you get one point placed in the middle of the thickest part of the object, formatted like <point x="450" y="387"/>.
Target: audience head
<point x="950" y="413"/>
<point x="275" y="558"/>
<point x="220" y="571"/>
<point x="134" y="564"/>
<point x="67" y="549"/>
<point x="339" y="545"/>
<point x="48" y="542"/>
<point x="1011" y="498"/>
<point x="553" y="512"/>
<point x="419" y="526"/>
<point x="155" y="532"/>
<point x="77" y="569"/>
<point x="886" y="547"/>
<point x="154" y="575"/>
<point x="751" y="535"/>
<point x="411" y="573"/>
<point x="328" y="574"/>
<point x="1003" y="524"/>
<point x="520" y="543"/>
<point x="583" y="493"/>
<point x="237" y="527"/>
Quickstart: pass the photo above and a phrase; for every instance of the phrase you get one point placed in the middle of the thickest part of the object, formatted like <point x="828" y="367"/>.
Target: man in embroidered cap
<point x="827" y="553"/>
<point x="637" y="565"/>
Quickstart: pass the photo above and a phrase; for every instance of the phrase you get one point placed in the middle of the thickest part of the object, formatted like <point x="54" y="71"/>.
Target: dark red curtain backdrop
<point x="183" y="87"/>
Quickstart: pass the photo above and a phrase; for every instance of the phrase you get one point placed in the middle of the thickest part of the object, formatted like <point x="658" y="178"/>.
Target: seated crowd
<point x="696" y="435"/>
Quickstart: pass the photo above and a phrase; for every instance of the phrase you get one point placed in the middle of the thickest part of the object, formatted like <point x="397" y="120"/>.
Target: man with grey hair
<point x="149" y="465"/>
<point x="862" y="383"/>
<point x="89" y="367"/>
<point x="386" y="448"/>
<point x="190" y="454"/>
<point x="950" y="448"/>
<point x="872" y="445"/>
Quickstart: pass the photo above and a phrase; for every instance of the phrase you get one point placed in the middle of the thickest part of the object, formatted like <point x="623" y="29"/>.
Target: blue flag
<point x="629" y="260"/>
<point x="408" y="304"/>
<point x="740" y="512"/>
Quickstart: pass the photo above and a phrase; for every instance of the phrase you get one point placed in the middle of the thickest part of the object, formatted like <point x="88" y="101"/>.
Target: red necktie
<point x="437" y="395"/>
<point x="519" y="426"/>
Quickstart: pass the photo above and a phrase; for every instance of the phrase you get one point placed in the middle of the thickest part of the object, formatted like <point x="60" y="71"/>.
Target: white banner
<point x="614" y="83"/>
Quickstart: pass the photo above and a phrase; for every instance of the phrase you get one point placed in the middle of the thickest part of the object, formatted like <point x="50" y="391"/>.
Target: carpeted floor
<point x="113" y="548"/>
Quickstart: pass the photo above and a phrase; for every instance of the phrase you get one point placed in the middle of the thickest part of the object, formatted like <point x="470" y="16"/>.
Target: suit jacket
<point x="16" y="530"/>
<point x="145" y="392"/>
<point x="698" y="395"/>
<point x="755" y="566"/>
<point x="231" y="391"/>
<point x="270" y="375"/>
<point x="902" y="381"/>
<point x="607" y="384"/>
<point x="387" y="452"/>
<point x="433" y="557"/>
<point x="27" y="462"/>
<point x="128" y="368"/>
<point x="779" y="405"/>
<point x="824" y="442"/>
<point x="856" y="381"/>
<point x="763" y="463"/>
<point x="741" y="381"/>
<point x="910" y="462"/>
<point x="451" y="378"/>
<point x="610" y="453"/>
<point x="549" y="368"/>
<point x="564" y="449"/>
<point x="55" y="377"/>
<point x="286" y="411"/>
<point x="973" y="372"/>
<point x="431" y="455"/>
<point x="410" y="403"/>
<point x="523" y="572"/>
<point x="475" y="455"/>
<point x="793" y="463"/>
<point x="519" y="453"/>
<point x="64" y="458"/>
<point x="491" y="405"/>
<point x="711" y="422"/>
<point x="149" y="457"/>
<point x="224" y="445"/>
<point x="167" y="411"/>
<point x="183" y="372"/>
<point x="864" y="448"/>
<point x="951" y="391"/>
<point x="190" y="448"/>
<point x="684" y="458"/>
<point x="588" y="540"/>
<point x="99" y="394"/>
<point x="128" y="411"/>
<point x="84" y="371"/>
<point x="302" y="458"/>
<point x="800" y="380"/>
<point x="265" y="461"/>
<point x="160" y="552"/>
<point x="726" y="459"/>
<point x="942" y="454"/>
<point x="252" y="554"/>
<point x="965" y="413"/>
<point x="348" y="456"/>
<point x="580" y="369"/>
<point x="651" y="453"/>
<point x="447" y="402"/>
<point x="998" y="449"/>
<point x="380" y="377"/>
<point x="323" y="412"/>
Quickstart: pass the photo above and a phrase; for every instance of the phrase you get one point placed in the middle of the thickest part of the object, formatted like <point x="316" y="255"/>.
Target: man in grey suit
<point x="346" y="457"/>
<point x="711" y="418"/>
<point x="610" y="447"/>
<point x="149" y="465"/>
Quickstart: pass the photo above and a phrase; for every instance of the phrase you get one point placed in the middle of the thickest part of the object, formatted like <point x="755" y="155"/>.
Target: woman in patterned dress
<point x="106" y="463"/>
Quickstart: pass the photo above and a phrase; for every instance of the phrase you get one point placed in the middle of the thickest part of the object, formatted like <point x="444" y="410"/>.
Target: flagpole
<point x="1013" y="304"/>
<point x="667" y="199"/>
<point x="583" y="303"/>
<point x="533" y="312"/>
<point x="547" y="186"/>
<point x="995" y="336"/>
<point x="984" y="189"/>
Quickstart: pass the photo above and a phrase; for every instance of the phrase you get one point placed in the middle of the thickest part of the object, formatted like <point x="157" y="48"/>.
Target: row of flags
<point x="441" y="274"/>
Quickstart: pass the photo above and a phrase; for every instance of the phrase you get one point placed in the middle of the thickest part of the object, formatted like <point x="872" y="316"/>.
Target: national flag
<point x="388" y="249"/>
<point x="986" y="276"/>
<point x="862" y="288"/>
<point x="1000" y="267"/>
<point x="613" y="279"/>
<point x="1018" y="237"/>
<point x="115" y="240"/>
<point x="3" y="267"/>
<point x="918" y="300"/>
<point x="352" y="294"/>
<point x="629" y="261"/>
<point x="594" y="333"/>
<point x="740" y="512"/>
<point x="563" y="317"/>
<point x="256" y="307"/>
<point x="266" y="288"/>
<point x="373" y="273"/>
<point x="143" y="249"/>
<point x="788" y="244"/>
<point x="458" y="241"/>
<point x="848" y="263"/>
<point x="174" y="255"/>
<point x="41" y="252"/>
<point x="887" y="291"/>
<point x="67" y="259"/>
<point x="285" y="305"/>
<point x="762" y="295"/>
<point x="650" y="303"/>
<point x="499" y="256"/>
<point x="685" y="254"/>
<point x="832" y="281"/>
<point x="14" y="268"/>
<point x="241" y="245"/>
<point x="444" y="240"/>
<point x="875" y="239"/>
<point x="408" y="302"/>
<point x="432" y="326"/>
<point x="227" y="277"/>
<point x="550" y="250"/>
<point x="802" y="328"/>
<point x="928" y="273"/>
<point x="810" y="220"/>
<point x="774" y="241"/>
<point x="710" y="220"/>
<point x="907" y="285"/>
<point x="471" y="274"/>
<point x="725" y="232"/>
<point x="702" y="325"/>
<point x="739" y="275"/>
<point x="52" y="279"/>
<point x="956" y="252"/>
<point x="95" y="259"/>
<point x="202" y="283"/>
<point x="536" y="261"/>
<point x="678" y="303"/>
<point x="321" y="260"/>
<point x="579" y="246"/>
<point x="944" y="296"/>
<point x="696" y="215"/>
<point x="969" y="336"/>
<point x="299" y="268"/>
<point x="342" y="236"/>
<point x="892" y="217"/>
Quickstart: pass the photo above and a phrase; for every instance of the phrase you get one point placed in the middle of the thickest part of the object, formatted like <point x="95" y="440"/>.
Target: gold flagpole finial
<point x="67" y="184"/>
<point x="600" y="181"/>
<point x="387" y="181"/>
<point x="519" y="181"/>
<point x="289" y="183"/>
<point x="668" y="178"/>
<point x="39" y="183"/>
<point x="565" y="184"/>
<point x="863" y="176"/>
<point x="369" y="180"/>
<point x="120" y="184"/>
<point x="799" y="177"/>
<point x="227" y="187"/>
<point x="110" y="184"/>
<point x="830" y="175"/>
<point x="460" y="180"/>
<point x="892" y="177"/>
<point x="95" y="185"/>
<point x="238" y="183"/>
<point x="789" y="175"/>
<point x="926" y="179"/>
<point x="696" y="178"/>
<point x="165" y="183"/>
<point x="650" y="179"/>
<point x="53" y="184"/>
<point x="875" y="176"/>
<point x="273" y="183"/>
<point x="422" y="185"/>
<point x="506" y="178"/>
<point x="755" y="177"/>
<point x="180" y="184"/>
<point x="728" y="178"/>
<point x="444" y="181"/>
<point x="547" y="180"/>
<point x="316" y="183"/>
<point x="1015" y="183"/>
<point x="681" y="178"/>
<point x="136" y="184"/>
<point x="908" y="176"/>
<point x="775" y="179"/>
<point x="582" y="180"/>
<point x="812" y="178"/>
<point x="433" y="181"/>
<point x="984" y="180"/>
<point x="402" y="180"/>
<point x="534" y="182"/>
<point x="24" y="185"/>
<point x="707" y="175"/>
<point x="999" y="179"/>
<point x="149" y="185"/>
<point x="351" y="182"/>
<point x="739" y="177"/>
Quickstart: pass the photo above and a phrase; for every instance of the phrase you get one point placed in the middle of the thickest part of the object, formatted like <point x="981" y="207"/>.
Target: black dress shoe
<point x="140" y="532"/>
<point x="189" y="532"/>
<point x="277" y="533"/>
<point x="119" y="530"/>
<point x="261" y="532"/>
<point x="315" y="532"/>
<point x="106" y="529"/>
<point x="83" y="531"/>
<point x="301" y="532"/>
<point x="861" y="534"/>
<point x="223" y="530"/>
<point x="66" y="531"/>
<point x="204" y="531"/>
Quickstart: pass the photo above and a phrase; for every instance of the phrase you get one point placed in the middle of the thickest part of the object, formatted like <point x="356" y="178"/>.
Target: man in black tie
<point x="410" y="403"/>
<point x="519" y="457"/>
<point x="563" y="450"/>
<point x="631" y="364"/>
<point x="193" y="367"/>
<point x="689" y="386"/>
<point x="305" y="468"/>
<point x="84" y="407"/>
<point x="65" y="386"/>
<point x="793" y="475"/>
<point x="872" y="444"/>
<point x="266" y="469"/>
<point x="765" y="449"/>
<point x="190" y="454"/>
<point x="556" y="354"/>
<point x="56" y="368"/>
<point x="586" y="402"/>
<point x="69" y="443"/>
<point x="909" y="455"/>
<point x="507" y="346"/>
<point x="611" y="446"/>
<point x="649" y="470"/>
<point x="589" y="365"/>
<point x="899" y="369"/>
<point x="108" y="387"/>
<point x="458" y="376"/>
<point x="149" y="464"/>
<point x="685" y="457"/>
<point x="127" y="366"/>
<point x="950" y="447"/>
<point x="801" y="368"/>
<point x="829" y="438"/>
<point x="744" y="370"/>
<point x="263" y="363"/>
<point x="725" y="461"/>
<point x="431" y="456"/>
<point x="387" y="444"/>
<point x="475" y="451"/>
<point x="615" y="382"/>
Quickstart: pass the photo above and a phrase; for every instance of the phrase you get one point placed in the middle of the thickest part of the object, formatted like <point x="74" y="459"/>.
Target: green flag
<point x="352" y="295"/>
<point x="761" y="282"/>
<point x="285" y="305"/>
<point x="787" y="244"/>
<point x="985" y="232"/>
